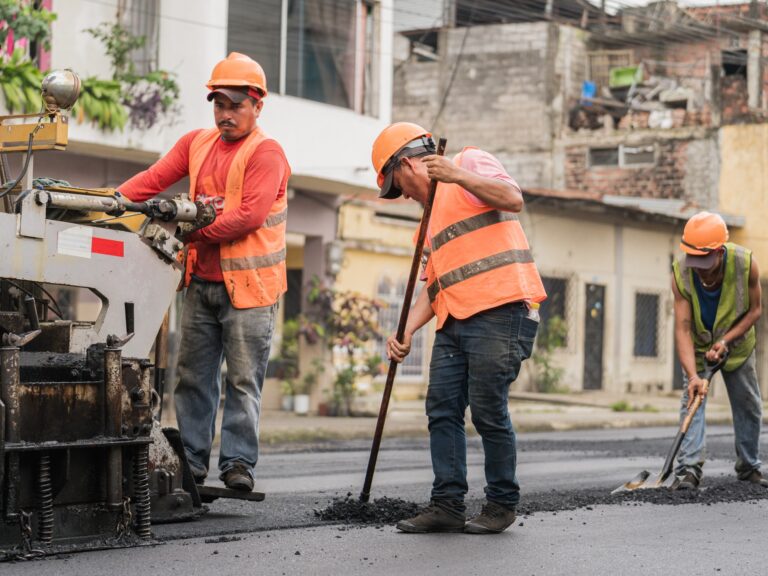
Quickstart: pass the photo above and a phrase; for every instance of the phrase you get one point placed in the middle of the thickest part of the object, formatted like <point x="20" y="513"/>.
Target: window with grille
<point x="646" y="325"/>
<point x="603" y="156"/>
<point x="555" y="305"/>
<point x="392" y="294"/>
<point x="623" y="156"/>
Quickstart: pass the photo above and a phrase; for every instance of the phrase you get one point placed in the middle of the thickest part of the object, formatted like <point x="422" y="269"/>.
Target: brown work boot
<point x="756" y="477"/>
<point x="688" y="481"/>
<point x="434" y="518"/>
<point x="238" y="478"/>
<point x="494" y="519"/>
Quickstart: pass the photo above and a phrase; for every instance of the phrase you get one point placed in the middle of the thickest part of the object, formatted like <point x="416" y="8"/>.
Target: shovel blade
<point x="633" y="484"/>
<point x="647" y="481"/>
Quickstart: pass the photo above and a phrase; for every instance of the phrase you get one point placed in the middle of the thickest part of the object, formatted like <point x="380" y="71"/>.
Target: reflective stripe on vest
<point x="253" y="265"/>
<point x="479" y="257"/>
<point x="733" y="304"/>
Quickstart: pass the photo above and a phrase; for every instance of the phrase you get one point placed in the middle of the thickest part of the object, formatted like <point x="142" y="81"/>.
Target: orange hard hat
<point x="704" y="233"/>
<point x="398" y="140"/>
<point x="238" y="70"/>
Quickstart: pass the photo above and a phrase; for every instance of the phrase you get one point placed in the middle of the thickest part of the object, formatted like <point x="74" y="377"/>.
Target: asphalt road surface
<point x="568" y="523"/>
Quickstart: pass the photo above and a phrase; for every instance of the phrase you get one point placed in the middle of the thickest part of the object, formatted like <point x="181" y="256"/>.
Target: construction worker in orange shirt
<point x="235" y="268"/>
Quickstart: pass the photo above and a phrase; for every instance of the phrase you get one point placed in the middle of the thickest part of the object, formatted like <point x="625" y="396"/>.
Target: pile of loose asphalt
<point x="384" y="511"/>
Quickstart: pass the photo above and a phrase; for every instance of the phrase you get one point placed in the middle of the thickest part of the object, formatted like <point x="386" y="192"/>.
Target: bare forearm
<point x="420" y="313"/>
<point x="742" y="326"/>
<point x="685" y="350"/>
<point x="493" y="192"/>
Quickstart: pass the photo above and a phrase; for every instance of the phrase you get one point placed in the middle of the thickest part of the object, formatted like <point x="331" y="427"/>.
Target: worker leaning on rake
<point x="717" y="303"/>
<point x="481" y="279"/>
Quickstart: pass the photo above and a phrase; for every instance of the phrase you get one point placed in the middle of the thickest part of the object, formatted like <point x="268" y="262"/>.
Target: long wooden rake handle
<point x="415" y="265"/>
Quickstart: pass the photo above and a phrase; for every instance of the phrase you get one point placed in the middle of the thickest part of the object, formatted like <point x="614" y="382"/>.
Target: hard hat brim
<point x="388" y="190"/>
<point x="701" y="262"/>
<point x="236" y="95"/>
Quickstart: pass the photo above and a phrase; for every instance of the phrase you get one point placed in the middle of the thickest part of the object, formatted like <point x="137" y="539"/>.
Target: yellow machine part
<point x="131" y="221"/>
<point x="51" y="132"/>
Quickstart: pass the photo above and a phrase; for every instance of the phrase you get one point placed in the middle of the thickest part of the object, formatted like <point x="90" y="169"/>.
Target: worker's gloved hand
<point x="398" y="351"/>
<point x="206" y="215"/>
<point x="695" y="388"/>
<point x="185" y="229"/>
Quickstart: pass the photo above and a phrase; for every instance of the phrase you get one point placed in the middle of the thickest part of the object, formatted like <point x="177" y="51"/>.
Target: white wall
<point x="192" y="40"/>
<point x="328" y="147"/>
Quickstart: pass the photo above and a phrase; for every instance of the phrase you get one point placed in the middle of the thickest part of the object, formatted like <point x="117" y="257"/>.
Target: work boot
<point x="199" y="480"/>
<point x="756" y="477"/>
<point x="688" y="481"/>
<point x="238" y="478"/>
<point x="434" y="518"/>
<point x="494" y="519"/>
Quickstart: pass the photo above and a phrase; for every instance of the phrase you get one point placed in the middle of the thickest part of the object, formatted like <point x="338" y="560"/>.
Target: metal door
<point x="593" y="337"/>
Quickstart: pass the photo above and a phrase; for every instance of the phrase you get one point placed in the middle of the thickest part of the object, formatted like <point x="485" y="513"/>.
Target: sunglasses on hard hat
<point x="385" y="179"/>
<point x="699" y="248"/>
<point x="413" y="148"/>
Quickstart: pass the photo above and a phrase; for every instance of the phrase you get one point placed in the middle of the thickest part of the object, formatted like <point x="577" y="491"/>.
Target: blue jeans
<point x="213" y="331"/>
<point x="747" y="409"/>
<point x="473" y="363"/>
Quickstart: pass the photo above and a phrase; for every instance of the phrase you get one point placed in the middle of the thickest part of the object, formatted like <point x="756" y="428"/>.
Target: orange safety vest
<point x="253" y="266"/>
<point x="479" y="257"/>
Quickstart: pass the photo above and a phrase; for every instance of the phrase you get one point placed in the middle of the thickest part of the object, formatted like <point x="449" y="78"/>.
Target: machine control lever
<point x="31" y="305"/>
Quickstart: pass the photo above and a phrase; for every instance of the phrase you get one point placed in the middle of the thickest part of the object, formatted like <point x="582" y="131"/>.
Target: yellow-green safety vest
<point x="733" y="304"/>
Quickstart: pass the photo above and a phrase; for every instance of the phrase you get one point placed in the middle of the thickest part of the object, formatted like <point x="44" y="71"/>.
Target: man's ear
<point x="406" y="162"/>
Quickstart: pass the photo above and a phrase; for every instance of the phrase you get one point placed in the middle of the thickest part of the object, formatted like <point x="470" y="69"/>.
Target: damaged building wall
<point x="678" y="164"/>
<point x="500" y="87"/>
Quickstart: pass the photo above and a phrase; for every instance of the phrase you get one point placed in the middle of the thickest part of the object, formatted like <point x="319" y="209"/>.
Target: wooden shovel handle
<point x="697" y="401"/>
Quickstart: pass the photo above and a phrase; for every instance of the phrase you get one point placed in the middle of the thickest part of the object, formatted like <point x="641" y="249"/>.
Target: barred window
<point x="646" y="325"/>
<point x="392" y="294"/>
<point x="556" y="304"/>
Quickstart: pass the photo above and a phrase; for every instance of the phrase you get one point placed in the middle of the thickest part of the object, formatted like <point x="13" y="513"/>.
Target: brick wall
<point x="505" y="96"/>
<point x="684" y="169"/>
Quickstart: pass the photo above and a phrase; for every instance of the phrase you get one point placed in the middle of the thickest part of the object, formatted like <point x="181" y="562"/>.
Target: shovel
<point x="665" y="479"/>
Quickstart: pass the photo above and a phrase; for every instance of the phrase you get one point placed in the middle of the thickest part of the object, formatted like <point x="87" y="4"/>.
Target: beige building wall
<point x="623" y="255"/>
<point x="744" y="191"/>
<point x="744" y="185"/>
<point x="626" y="258"/>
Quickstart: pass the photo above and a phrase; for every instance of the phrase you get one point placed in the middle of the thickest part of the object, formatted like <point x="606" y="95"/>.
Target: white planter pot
<point x="301" y="403"/>
<point x="286" y="403"/>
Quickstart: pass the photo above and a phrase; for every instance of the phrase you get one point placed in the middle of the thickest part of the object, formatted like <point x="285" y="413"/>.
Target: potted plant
<point x="287" y="387"/>
<point x="286" y="363"/>
<point x="305" y="385"/>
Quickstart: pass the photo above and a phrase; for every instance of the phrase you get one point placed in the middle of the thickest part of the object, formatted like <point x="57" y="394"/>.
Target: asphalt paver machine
<point x="83" y="461"/>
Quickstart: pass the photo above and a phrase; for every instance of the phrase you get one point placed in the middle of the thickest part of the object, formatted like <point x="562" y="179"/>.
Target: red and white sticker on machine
<point x="80" y="241"/>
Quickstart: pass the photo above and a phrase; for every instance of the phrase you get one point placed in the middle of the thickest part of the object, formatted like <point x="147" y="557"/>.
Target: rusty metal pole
<point x="415" y="265"/>
<point x="10" y="382"/>
<point x="113" y="412"/>
<point x="161" y="363"/>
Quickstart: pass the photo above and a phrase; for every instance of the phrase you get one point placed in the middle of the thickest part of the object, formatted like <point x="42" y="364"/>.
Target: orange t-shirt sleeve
<point x="162" y="174"/>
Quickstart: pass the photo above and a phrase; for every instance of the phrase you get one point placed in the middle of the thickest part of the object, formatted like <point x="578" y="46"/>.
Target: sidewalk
<point x="531" y="412"/>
